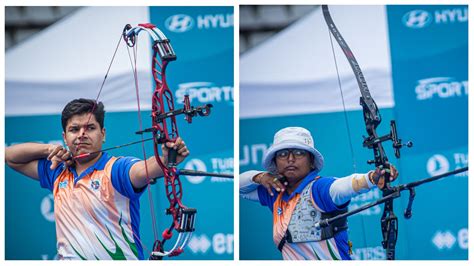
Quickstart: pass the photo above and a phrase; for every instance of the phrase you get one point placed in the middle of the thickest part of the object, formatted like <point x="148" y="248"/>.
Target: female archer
<point x="299" y="197"/>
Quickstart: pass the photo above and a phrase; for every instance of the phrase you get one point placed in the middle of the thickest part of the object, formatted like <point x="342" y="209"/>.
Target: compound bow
<point x="164" y="129"/>
<point x="372" y="118"/>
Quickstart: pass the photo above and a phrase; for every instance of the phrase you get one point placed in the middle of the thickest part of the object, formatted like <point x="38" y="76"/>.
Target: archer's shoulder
<point x="123" y="161"/>
<point x="323" y="180"/>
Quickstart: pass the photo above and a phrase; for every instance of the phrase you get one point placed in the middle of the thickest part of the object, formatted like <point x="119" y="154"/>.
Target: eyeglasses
<point x="297" y="153"/>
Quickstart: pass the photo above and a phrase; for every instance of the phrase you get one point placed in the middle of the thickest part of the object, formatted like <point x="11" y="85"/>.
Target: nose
<point x="291" y="157"/>
<point x="82" y="132"/>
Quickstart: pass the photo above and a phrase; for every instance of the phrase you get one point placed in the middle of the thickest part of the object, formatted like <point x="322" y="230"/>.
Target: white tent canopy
<point x="294" y="71"/>
<point x="69" y="60"/>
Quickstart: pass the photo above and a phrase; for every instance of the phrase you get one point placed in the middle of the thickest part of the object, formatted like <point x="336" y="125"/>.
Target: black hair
<point x="83" y="106"/>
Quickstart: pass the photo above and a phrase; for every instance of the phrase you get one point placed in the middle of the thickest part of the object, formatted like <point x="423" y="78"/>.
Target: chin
<point x="291" y="175"/>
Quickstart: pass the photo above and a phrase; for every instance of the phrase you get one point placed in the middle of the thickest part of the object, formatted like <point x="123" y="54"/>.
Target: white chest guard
<point x="305" y="215"/>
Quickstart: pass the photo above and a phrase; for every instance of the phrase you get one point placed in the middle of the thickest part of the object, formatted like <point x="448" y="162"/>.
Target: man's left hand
<point x="180" y="148"/>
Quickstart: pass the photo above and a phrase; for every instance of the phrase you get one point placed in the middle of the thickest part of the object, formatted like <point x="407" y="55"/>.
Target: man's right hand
<point x="59" y="154"/>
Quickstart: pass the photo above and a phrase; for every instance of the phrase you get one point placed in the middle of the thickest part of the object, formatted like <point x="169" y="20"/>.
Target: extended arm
<point x="343" y="189"/>
<point x="141" y="172"/>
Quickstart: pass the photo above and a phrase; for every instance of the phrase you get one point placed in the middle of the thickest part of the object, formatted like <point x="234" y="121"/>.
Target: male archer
<point x="96" y="196"/>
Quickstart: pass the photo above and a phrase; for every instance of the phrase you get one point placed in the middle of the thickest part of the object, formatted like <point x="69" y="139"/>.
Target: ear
<point x="103" y="134"/>
<point x="64" y="138"/>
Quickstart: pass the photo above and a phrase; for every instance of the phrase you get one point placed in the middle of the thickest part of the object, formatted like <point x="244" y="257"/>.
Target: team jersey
<point x="282" y="206"/>
<point x="97" y="212"/>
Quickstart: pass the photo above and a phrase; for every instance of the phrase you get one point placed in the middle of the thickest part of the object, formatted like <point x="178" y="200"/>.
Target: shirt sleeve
<point x="121" y="177"/>
<point x="322" y="197"/>
<point x="252" y="191"/>
<point x="248" y="188"/>
<point x="343" y="189"/>
<point x="46" y="175"/>
<point x="265" y="198"/>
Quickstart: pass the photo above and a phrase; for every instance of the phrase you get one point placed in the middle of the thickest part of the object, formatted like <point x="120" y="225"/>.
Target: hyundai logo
<point x="417" y="19"/>
<point x="179" y="23"/>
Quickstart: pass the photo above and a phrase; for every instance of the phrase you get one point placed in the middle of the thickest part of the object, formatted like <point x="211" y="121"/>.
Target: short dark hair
<point x="83" y="106"/>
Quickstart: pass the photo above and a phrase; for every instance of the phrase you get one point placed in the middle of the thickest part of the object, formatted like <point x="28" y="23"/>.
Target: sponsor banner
<point x="430" y="78"/>
<point x="218" y="243"/>
<point x="430" y="81"/>
<point x="209" y="31"/>
<point x="424" y="17"/>
<point x="448" y="240"/>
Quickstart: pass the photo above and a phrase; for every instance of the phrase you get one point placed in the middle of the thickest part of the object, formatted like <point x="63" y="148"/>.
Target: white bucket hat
<point x="292" y="138"/>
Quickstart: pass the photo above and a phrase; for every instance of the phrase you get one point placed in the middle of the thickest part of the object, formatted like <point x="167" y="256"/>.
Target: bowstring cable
<point x="346" y="119"/>
<point x="102" y="85"/>
<point x="133" y="63"/>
